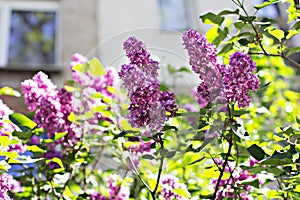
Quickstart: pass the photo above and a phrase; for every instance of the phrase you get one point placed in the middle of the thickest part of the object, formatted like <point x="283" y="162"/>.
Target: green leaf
<point x="296" y="26"/>
<point x="57" y="161"/>
<point x="247" y="19"/>
<point x="222" y="35"/>
<point x="96" y="68"/>
<point x="181" y="192"/>
<point x="266" y="3"/>
<point x="23" y="122"/>
<point x="229" y="12"/>
<point x="277" y="33"/>
<point x="23" y="135"/>
<point x="81" y="68"/>
<point x="238" y="113"/>
<point x="185" y="69"/>
<point x="254" y="183"/>
<point x="9" y="154"/>
<point x="196" y="161"/>
<point x="170" y="154"/>
<point x="34" y="148"/>
<point x="57" y="136"/>
<point x="239" y="25"/>
<point x="291" y="33"/>
<point x="167" y="127"/>
<point x="211" y="18"/>
<point x="243" y="41"/>
<point x="163" y="87"/>
<point x="9" y="91"/>
<point x="277" y="161"/>
<point x="293" y="50"/>
<point x="171" y="69"/>
<point x="148" y="157"/>
<point x="257" y="152"/>
<point x="72" y="117"/>
<point x="226" y="49"/>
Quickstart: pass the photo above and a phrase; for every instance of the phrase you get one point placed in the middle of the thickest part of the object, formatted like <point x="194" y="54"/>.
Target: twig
<point x="224" y="165"/>
<point x="162" y="157"/>
<point x="278" y="55"/>
<point x="135" y="171"/>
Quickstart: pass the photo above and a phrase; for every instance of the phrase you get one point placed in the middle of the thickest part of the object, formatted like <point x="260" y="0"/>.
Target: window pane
<point x="174" y="14"/>
<point x="32" y="37"/>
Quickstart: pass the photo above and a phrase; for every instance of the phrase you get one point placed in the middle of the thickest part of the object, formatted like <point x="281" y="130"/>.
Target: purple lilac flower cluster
<point x="219" y="82"/>
<point x="228" y="187"/>
<point x="203" y="59"/>
<point x="239" y="79"/>
<point x="8" y="184"/>
<point x="149" y="106"/>
<point x="7" y="128"/>
<point x="52" y="108"/>
<point x="168" y="184"/>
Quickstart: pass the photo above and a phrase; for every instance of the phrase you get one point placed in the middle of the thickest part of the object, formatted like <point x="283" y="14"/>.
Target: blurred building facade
<point x="43" y="34"/>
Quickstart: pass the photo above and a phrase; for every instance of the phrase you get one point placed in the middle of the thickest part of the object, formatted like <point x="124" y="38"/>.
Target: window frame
<point x="6" y="8"/>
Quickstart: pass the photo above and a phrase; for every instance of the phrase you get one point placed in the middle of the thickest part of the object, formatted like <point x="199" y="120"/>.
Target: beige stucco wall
<point x="77" y="33"/>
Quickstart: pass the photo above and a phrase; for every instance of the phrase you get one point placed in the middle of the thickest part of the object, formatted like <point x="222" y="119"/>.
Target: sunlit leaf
<point x="34" y="148"/>
<point x="277" y="33"/>
<point x="60" y="135"/>
<point x="181" y="192"/>
<point x="9" y="91"/>
<point x="96" y="67"/>
<point x="23" y="122"/>
<point x="266" y="3"/>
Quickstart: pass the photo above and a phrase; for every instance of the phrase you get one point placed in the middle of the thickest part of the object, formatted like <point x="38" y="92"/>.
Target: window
<point x="29" y="33"/>
<point x="174" y="14"/>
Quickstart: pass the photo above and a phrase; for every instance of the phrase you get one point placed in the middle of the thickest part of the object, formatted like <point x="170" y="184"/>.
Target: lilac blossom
<point x="168" y="184"/>
<point x="118" y="190"/>
<point x="139" y="56"/>
<point x="239" y="79"/>
<point x="228" y="187"/>
<point x="203" y="59"/>
<point x="8" y="184"/>
<point x="37" y="88"/>
<point x="94" y="195"/>
<point x="230" y="83"/>
<point x="149" y="106"/>
<point x="52" y="108"/>
<point x="91" y="85"/>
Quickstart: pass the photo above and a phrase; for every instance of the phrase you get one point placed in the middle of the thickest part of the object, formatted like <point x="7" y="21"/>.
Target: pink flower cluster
<point x="90" y="85"/>
<point x="7" y="128"/>
<point x="117" y="189"/>
<point x="233" y="187"/>
<point x="148" y="105"/>
<point x="52" y="108"/>
<point x="8" y="184"/>
<point x="230" y="83"/>
<point x="168" y="184"/>
<point x="137" y="149"/>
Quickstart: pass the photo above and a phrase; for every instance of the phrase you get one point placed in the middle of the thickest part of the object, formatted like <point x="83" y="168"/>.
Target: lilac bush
<point x="234" y="137"/>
